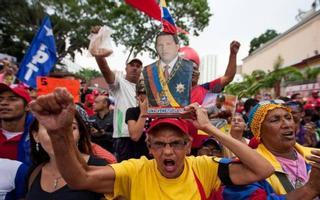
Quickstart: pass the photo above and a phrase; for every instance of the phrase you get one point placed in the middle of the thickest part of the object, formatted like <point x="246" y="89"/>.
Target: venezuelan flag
<point x="168" y="24"/>
<point x="157" y="12"/>
<point x="149" y="7"/>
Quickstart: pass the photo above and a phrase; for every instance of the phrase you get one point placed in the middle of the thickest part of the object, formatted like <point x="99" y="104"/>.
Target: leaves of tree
<point x="262" y="39"/>
<point x="72" y="20"/>
<point x="88" y="74"/>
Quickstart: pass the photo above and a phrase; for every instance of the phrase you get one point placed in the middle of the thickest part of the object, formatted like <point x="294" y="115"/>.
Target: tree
<point x="241" y="89"/>
<point x="72" y="20"/>
<point x="273" y="80"/>
<point x="262" y="39"/>
<point x="88" y="74"/>
<point x="312" y="73"/>
<point x="259" y="79"/>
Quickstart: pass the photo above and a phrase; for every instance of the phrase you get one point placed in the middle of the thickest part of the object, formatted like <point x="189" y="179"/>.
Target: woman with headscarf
<point x="297" y="168"/>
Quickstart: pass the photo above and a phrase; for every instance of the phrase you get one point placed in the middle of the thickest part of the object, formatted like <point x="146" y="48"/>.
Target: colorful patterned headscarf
<point x="258" y="114"/>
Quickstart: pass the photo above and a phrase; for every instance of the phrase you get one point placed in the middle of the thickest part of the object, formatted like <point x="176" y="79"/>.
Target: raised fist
<point x="234" y="47"/>
<point x="55" y="111"/>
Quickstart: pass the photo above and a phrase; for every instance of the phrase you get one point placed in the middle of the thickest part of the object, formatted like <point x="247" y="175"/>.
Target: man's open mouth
<point x="169" y="165"/>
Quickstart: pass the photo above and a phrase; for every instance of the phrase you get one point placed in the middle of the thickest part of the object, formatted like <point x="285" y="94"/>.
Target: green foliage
<point x="262" y="39"/>
<point x="312" y="73"/>
<point x="72" y="20"/>
<point x="258" y="80"/>
<point x="88" y="74"/>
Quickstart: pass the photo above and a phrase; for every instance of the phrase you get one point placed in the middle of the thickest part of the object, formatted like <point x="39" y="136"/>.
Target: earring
<point x="37" y="146"/>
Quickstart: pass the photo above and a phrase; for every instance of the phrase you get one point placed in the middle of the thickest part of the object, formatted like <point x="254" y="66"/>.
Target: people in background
<point x="123" y="91"/>
<point x="297" y="112"/>
<point x="102" y="123"/>
<point x="210" y="147"/>
<point x="297" y="168"/>
<point x="238" y="126"/>
<point x="198" y="92"/>
<point x="15" y="120"/>
<point x="138" y="123"/>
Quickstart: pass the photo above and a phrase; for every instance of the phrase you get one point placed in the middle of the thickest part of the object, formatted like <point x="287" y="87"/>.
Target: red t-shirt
<point x="9" y="148"/>
<point x="198" y="93"/>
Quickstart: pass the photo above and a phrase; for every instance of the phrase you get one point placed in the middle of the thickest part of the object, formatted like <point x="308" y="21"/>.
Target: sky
<point x="240" y="20"/>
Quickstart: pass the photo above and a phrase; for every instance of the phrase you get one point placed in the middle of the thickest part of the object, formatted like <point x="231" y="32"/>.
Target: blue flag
<point x="41" y="55"/>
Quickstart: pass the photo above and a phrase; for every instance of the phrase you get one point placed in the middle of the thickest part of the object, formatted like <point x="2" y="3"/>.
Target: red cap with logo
<point x="19" y="90"/>
<point x="179" y="123"/>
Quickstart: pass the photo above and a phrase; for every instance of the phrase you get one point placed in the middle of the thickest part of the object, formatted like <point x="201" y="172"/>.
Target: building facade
<point x="299" y="47"/>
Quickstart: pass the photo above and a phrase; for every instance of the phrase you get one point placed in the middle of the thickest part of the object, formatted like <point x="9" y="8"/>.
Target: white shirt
<point x="171" y="64"/>
<point x="124" y="93"/>
<point x="9" y="134"/>
<point x="8" y="172"/>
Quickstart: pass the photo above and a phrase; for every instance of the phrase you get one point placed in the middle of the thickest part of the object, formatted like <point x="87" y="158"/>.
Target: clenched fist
<point x="55" y="111"/>
<point x="234" y="47"/>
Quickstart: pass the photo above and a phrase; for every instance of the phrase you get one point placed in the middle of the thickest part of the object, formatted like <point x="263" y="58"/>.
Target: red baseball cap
<point x="179" y="123"/>
<point x="198" y="140"/>
<point x="189" y="54"/>
<point x="19" y="90"/>
<point x="90" y="98"/>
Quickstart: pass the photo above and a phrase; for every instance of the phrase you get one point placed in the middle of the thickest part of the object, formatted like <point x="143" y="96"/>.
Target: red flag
<point x="157" y="12"/>
<point x="149" y="7"/>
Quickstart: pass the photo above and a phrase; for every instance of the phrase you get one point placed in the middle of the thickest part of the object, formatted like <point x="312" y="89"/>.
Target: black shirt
<point x="105" y="123"/>
<point x="140" y="147"/>
<point x="65" y="192"/>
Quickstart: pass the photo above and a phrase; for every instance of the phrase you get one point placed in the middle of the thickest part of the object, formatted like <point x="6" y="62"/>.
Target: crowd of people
<point x="107" y="146"/>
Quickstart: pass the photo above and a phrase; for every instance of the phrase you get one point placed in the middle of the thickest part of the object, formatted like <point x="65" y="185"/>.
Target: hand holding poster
<point x="47" y="85"/>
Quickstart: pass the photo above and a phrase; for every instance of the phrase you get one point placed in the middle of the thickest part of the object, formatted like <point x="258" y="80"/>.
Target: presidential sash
<point x="174" y="92"/>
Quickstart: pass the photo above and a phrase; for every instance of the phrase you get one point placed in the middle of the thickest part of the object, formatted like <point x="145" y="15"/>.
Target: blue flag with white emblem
<point x="40" y="57"/>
